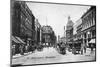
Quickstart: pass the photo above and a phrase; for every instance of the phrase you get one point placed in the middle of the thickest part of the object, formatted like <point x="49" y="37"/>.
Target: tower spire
<point x="68" y="17"/>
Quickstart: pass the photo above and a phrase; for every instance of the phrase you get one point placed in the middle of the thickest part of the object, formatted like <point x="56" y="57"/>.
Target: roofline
<point x="88" y="11"/>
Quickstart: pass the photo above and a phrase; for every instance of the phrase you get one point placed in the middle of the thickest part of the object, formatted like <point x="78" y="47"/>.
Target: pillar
<point x="40" y="36"/>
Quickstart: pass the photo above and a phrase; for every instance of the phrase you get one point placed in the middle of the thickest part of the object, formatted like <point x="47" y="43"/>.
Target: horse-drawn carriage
<point x="62" y="48"/>
<point x="74" y="47"/>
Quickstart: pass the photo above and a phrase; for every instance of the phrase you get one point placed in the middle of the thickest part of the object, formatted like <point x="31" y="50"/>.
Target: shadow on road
<point x="16" y="65"/>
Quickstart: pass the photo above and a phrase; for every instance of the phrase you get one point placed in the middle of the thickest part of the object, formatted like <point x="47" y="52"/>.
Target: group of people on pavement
<point x="76" y="49"/>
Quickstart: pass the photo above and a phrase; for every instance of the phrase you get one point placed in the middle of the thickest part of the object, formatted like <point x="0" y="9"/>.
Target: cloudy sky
<point x="56" y="15"/>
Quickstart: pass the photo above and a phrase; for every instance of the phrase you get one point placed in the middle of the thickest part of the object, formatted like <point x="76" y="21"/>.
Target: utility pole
<point x="46" y="21"/>
<point x="64" y="32"/>
<point x="40" y="35"/>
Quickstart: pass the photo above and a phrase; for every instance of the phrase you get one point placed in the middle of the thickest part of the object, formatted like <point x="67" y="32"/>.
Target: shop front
<point x="17" y="45"/>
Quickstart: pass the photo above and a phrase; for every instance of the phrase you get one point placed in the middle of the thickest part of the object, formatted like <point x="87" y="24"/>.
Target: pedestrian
<point x="26" y="48"/>
<point x="85" y="49"/>
<point x="21" y="49"/>
<point x="81" y="49"/>
<point x="91" y="48"/>
<point x="13" y="49"/>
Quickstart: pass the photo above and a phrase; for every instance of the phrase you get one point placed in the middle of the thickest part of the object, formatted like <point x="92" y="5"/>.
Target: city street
<point x="50" y="55"/>
<point x="52" y="33"/>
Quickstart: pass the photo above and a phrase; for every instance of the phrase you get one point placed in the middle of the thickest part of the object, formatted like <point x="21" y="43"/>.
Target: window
<point x="93" y="21"/>
<point x="94" y="18"/>
<point x="85" y="35"/>
<point x="86" y="24"/>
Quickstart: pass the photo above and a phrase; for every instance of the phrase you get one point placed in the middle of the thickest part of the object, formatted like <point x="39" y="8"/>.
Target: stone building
<point x="76" y="28"/>
<point x="89" y="26"/>
<point x="69" y="30"/>
<point x="79" y="31"/>
<point x="22" y="24"/>
<point x="37" y="32"/>
<point x="48" y="36"/>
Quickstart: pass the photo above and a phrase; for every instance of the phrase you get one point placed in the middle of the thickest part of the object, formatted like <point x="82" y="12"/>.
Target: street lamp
<point x="88" y="38"/>
<point x="88" y="33"/>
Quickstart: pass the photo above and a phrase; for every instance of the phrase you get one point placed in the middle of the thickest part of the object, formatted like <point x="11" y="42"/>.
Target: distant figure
<point x="85" y="49"/>
<point x="91" y="48"/>
<point x="82" y="47"/>
<point x="13" y="49"/>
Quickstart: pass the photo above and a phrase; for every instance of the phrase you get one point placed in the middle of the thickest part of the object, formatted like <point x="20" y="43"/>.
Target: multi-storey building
<point x="89" y="26"/>
<point x="37" y="32"/>
<point x="69" y="30"/>
<point x="75" y="29"/>
<point x="48" y="36"/>
<point x="22" y="23"/>
<point x="79" y="30"/>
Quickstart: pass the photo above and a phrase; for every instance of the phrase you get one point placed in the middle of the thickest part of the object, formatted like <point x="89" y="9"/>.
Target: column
<point x="88" y="33"/>
<point x="83" y="43"/>
<point x="91" y="34"/>
<point x="40" y="36"/>
<point x="87" y="38"/>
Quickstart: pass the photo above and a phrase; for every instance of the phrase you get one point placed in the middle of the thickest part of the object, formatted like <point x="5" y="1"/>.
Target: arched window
<point x="94" y="18"/>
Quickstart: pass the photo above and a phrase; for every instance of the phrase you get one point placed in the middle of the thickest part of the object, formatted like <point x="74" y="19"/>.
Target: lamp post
<point x="88" y="33"/>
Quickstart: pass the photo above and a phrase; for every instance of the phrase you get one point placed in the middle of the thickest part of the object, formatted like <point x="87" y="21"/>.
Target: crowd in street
<point x="60" y="48"/>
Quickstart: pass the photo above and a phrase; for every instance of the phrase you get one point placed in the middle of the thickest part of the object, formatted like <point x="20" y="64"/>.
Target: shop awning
<point x="92" y="41"/>
<point x="21" y="41"/>
<point x="14" y="39"/>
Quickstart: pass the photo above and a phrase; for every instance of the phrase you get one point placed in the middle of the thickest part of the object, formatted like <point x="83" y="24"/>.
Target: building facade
<point x="22" y="24"/>
<point x="76" y="29"/>
<point x="89" y="26"/>
<point x="69" y="30"/>
<point x="37" y="32"/>
<point x="48" y="36"/>
<point x="79" y="31"/>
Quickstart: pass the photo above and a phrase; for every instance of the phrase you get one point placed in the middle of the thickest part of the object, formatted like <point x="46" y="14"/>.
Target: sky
<point x="56" y="15"/>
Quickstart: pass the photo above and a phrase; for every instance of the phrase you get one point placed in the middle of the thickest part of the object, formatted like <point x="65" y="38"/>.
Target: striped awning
<point x="14" y="39"/>
<point x="92" y="41"/>
<point x="21" y="41"/>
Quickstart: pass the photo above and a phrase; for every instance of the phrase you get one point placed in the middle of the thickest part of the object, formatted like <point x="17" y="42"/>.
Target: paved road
<point x="50" y="55"/>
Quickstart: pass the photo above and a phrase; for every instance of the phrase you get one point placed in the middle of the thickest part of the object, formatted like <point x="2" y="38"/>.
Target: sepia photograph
<point x="51" y="33"/>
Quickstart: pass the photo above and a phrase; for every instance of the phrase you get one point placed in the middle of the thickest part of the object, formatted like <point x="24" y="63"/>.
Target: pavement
<point x="51" y="55"/>
<point x="19" y="55"/>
